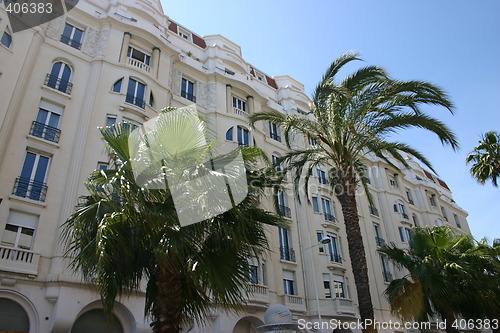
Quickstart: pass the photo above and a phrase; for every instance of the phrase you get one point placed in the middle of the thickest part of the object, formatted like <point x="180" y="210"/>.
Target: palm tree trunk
<point x="347" y="199"/>
<point x="167" y="311"/>
<point x="449" y="318"/>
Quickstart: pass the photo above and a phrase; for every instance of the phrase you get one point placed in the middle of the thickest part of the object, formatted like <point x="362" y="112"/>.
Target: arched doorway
<point x="13" y="318"/>
<point x="96" y="321"/>
<point x="247" y="325"/>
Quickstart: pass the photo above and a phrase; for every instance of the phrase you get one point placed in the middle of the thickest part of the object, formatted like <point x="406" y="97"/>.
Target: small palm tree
<point x="123" y="233"/>
<point x="348" y="120"/>
<point x="485" y="159"/>
<point x="448" y="275"/>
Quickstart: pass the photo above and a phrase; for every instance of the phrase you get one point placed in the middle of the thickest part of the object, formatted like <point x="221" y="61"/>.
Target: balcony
<point x="18" y="260"/>
<point x="139" y="64"/>
<point x="135" y="101"/>
<point x="31" y="189"/>
<point x="240" y="112"/>
<point x="373" y="211"/>
<point x="329" y="217"/>
<point x="55" y="82"/>
<point x="287" y="253"/>
<point x="71" y="42"/>
<point x="275" y="136"/>
<point x="46" y="132"/>
<point x="294" y="302"/>
<point x="387" y="276"/>
<point x="335" y="258"/>
<point x="344" y="306"/>
<point x="188" y="96"/>
<point x="380" y="241"/>
<point x="258" y="293"/>
<point x="284" y="211"/>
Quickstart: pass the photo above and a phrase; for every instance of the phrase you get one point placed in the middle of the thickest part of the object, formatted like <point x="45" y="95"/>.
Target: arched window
<point x="136" y="92"/>
<point x="96" y="321"/>
<point x="59" y="77"/>
<point x="13" y="318"/>
<point x="229" y="134"/>
<point x="117" y="87"/>
<point x="243" y="136"/>
<point x="7" y="38"/>
<point x="415" y="221"/>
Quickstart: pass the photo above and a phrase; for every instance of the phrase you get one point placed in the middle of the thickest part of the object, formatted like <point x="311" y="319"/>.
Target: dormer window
<point x="184" y="34"/>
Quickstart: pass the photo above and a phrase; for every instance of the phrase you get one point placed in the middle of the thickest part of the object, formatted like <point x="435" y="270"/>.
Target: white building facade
<point x="125" y="60"/>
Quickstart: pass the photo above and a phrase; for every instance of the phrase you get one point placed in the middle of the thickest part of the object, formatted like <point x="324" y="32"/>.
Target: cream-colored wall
<point x="54" y="291"/>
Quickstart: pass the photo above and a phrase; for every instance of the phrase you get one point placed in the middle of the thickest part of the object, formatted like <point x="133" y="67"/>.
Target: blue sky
<point x="452" y="43"/>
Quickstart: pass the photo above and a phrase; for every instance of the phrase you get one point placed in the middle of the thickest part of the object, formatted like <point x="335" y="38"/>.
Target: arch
<point x="123" y="320"/>
<point x="17" y="301"/>
<point x="59" y="77"/>
<point x="247" y="324"/>
<point x="230" y="134"/>
<point x="117" y="86"/>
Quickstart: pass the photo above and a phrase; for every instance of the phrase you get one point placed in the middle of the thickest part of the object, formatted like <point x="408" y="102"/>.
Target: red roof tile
<point x="199" y="41"/>
<point x="173" y="27"/>
<point x="428" y="175"/>
<point x="443" y="184"/>
<point x="271" y="82"/>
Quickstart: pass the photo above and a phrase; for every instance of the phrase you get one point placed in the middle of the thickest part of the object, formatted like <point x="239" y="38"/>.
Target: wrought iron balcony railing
<point x="284" y="211"/>
<point x="55" y="82"/>
<point x="335" y="258"/>
<point x="329" y="217"/>
<point x="71" y="42"/>
<point x="135" y="100"/>
<point x="380" y="241"/>
<point x="188" y="96"/>
<point x="287" y="253"/>
<point x="31" y="189"/>
<point x="275" y="136"/>
<point x="45" y="131"/>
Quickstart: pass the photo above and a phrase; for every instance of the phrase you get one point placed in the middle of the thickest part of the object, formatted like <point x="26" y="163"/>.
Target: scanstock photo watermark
<point x="459" y="324"/>
<point x="25" y="14"/>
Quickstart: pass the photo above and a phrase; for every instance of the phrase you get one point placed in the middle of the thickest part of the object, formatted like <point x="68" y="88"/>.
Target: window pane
<point x="25" y="238"/>
<point x="56" y="69"/>
<point x="9" y="235"/>
<point x="28" y="165"/>
<point x="41" y="169"/>
<point x="315" y="204"/>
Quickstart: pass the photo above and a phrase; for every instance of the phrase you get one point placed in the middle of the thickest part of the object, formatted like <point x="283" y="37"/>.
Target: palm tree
<point x="348" y="120"/>
<point x="486" y="159"/>
<point x="123" y="233"/>
<point x="449" y="275"/>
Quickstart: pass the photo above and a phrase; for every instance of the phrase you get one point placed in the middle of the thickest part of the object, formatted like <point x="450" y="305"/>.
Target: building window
<point x="229" y="134"/>
<point x="239" y="105"/>
<point x="110" y="120"/>
<point x="31" y="183"/>
<point x="102" y="166"/>
<point x="6" y="39"/>
<point x="264" y="274"/>
<point x="253" y="275"/>
<point x="184" y="34"/>
<point x="243" y="136"/>
<point x="315" y="204"/>
<point x="326" y="286"/>
<point x="311" y="141"/>
<point x="276" y="163"/>
<point x="20" y="230"/>
<point x="333" y="250"/>
<point x="327" y="210"/>
<point x="273" y="131"/>
<point x="117" y="87"/>
<point x="385" y="268"/>
<point x="415" y="221"/>
<point x="457" y="220"/>
<point x="443" y="212"/>
<point x="289" y="283"/>
<point x="378" y="235"/>
<point x="59" y="78"/>
<point x="72" y="36"/>
<point x="339" y="289"/>
<point x="13" y="318"/>
<point x="409" y="197"/>
<point x="286" y="251"/>
<point x="322" y="177"/>
<point x="393" y="181"/>
<point x="319" y="235"/>
<point x="46" y="125"/>
<point x="400" y="207"/>
<point x="187" y="90"/>
<point x="139" y="56"/>
<point x="283" y="209"/>
<point x="373" y="210"/>
<point x="402" y="234"/>
<point x="432" y="200"/>
<point x="408" y="235"/>
<point x="135" y="93"/>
